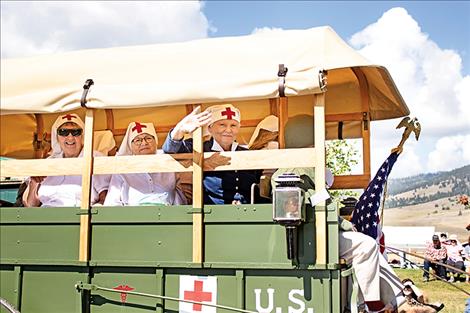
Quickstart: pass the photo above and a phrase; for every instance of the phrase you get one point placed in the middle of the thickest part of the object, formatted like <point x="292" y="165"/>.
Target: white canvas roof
<point x="199" y="71"/>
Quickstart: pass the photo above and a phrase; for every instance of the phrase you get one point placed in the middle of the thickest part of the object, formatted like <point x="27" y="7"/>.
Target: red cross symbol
<point x="198" y="295"/>
<point x="229" y="113"/>
<point x="138" y="127"/>
<point x="123" y="294"/>
<point x="69" y="117"/>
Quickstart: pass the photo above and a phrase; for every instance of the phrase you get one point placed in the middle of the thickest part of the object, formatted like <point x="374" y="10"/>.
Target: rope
<point x="424" y="258"/>
<point x="435" y="276"/>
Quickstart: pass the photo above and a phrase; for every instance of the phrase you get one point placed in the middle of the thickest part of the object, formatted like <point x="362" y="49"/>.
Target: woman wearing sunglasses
<point x="142" y="188"/>
<point x="67" y="142"/>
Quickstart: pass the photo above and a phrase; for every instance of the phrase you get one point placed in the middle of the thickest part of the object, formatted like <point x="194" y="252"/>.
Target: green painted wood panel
<point x="147" y="244"/>
<point x="48" y="243"/>
<point x="51" y="289"/>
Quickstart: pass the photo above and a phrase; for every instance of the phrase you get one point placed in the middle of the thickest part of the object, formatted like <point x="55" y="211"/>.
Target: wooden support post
<point x="109" y="119"/>
<point x="273" y="106"/>
<point x="198" y="198"/>
<point x="87" y="172"/>
<point x="364" y="90"/>
<point x="39" y="151"/>
<point x="189" y="108"/>
<point x="283" y="117"/>
<point x="320" y="215"/>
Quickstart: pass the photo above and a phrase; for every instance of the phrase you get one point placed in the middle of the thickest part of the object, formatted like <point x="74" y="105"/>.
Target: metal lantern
<point x="289" y="209"/>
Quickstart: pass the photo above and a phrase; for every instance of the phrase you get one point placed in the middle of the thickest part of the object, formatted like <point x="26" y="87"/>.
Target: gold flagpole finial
<point x="411" y="125"/>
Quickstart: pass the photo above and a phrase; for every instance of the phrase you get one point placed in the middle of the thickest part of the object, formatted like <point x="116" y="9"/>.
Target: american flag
<point x="366" y="217"/>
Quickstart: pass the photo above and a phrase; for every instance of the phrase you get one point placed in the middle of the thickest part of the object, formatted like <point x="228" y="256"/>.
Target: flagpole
<point x="383" y="203"/>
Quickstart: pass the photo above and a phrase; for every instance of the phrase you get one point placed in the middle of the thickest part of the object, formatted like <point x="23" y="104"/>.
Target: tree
<point x="341" y="156"/>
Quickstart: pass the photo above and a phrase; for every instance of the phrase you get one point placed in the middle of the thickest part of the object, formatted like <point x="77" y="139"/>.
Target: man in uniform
<point x="223" y="124"/>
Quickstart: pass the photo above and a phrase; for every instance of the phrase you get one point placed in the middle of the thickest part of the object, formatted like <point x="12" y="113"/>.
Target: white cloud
<point x="263" y="30"/>
<point x="30" y="28"/>
<point x="431" y="82"/>
<point x="450" y="152"/>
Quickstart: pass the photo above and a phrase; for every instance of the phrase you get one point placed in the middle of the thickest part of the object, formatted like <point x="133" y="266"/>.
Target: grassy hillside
<point x="428" y="187"/>
<point x="430" y="200"/>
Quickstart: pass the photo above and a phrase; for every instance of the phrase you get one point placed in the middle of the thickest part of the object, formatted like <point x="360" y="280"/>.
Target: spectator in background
<point x="454" y="256"/>
<point x="466" y="251"/>
<point x="443" y="237"/>
<point x="435" y="252"/>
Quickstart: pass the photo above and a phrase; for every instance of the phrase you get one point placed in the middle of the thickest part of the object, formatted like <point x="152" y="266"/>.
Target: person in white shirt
<point x="142" y="188"/>
<point x="65" y="190"/>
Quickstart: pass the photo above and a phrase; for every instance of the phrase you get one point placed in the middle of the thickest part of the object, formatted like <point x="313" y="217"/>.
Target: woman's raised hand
<point x="190" y="123"/>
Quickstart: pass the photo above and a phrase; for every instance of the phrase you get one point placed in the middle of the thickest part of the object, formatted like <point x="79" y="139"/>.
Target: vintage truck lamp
<point x="289" y="209"/>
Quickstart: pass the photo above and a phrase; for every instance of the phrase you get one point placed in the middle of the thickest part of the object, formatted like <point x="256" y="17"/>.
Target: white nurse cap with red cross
<point x="224" y="112"/>
<point x="61" y="120"/>
<point x="133" y="130"/>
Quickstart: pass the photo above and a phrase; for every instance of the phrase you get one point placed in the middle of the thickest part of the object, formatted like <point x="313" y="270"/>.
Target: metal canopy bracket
<point x="323" y="80"/>
<point x="340" y="130"/>
<point x="86" y="89"/>
<point x="282" y="79"/>
<point x="365" y="120"/>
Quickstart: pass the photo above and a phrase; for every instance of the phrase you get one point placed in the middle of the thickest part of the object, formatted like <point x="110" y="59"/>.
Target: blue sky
<point x="425" y="45"/>
<point x="446" y="22"/>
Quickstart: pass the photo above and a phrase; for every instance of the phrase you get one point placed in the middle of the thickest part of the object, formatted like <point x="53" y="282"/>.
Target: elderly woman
<point x="142" y="188"/>
<point x="223" y="121"/>
<point x="67" y="142"/>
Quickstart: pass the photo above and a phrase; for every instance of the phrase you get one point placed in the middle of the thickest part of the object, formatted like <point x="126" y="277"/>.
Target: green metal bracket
<point x="19" y="285"/>
<point x="92" y="211"/>
<point x="196" y="210"/>
<point x="82" y="286"/>
<point x="160" y="288"/>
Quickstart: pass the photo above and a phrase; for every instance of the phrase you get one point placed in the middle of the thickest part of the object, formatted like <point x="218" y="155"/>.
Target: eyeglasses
<point x="64" y="132"/>
<point x="138" y="141"/>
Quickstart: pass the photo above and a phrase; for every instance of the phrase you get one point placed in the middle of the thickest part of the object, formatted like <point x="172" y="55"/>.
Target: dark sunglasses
<point x="64" y="132"/>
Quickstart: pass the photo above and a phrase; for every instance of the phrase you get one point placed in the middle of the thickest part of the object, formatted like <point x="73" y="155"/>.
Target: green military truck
<point x="187" y="258"/>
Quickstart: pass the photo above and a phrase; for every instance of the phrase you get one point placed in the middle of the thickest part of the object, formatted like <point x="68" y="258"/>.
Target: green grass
<point x="438" y="291"/>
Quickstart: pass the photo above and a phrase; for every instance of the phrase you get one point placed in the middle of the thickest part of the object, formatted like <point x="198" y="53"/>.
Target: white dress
<point x="60" y="191"/>
<point x="143" y="189"/>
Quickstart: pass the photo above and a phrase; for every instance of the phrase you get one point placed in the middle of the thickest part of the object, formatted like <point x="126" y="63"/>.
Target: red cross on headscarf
<point x="229" y="113"/>
<point x="138" y="127"/>
<point x="68" y="117"/>
<point x="198" y="295"/>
